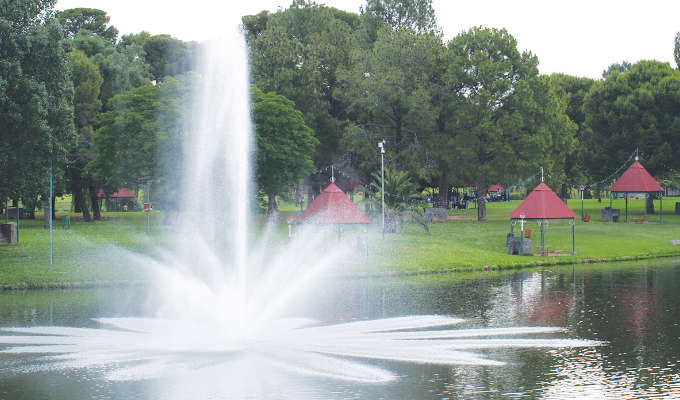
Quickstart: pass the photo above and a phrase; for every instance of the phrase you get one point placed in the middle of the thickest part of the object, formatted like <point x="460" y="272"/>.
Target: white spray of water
<point x="222" y="295"/>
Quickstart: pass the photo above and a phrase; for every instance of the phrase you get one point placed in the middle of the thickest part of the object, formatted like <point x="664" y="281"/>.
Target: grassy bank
<point x="86" y="254"/>
<point x="465" y="244"/>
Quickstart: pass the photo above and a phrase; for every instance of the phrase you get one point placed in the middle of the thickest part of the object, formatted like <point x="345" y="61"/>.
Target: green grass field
<point x="87" y="252"/>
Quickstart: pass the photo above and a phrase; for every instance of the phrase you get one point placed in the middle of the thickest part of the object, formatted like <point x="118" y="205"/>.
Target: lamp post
<point x="381" y="145"/>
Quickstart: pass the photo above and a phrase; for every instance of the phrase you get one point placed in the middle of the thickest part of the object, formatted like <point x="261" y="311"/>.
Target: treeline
<point x="105" y="111"/>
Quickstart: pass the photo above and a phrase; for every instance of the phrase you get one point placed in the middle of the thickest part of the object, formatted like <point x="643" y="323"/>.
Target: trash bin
<point x="615" y="218"/>
<point x="66" y="219"/>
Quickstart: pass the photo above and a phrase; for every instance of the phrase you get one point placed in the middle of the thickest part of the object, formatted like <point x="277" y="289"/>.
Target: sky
<point x="576" y="37"/>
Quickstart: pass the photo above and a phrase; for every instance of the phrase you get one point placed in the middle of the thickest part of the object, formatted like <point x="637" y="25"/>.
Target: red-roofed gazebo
<point x="636" y="179"/>
<point x="122" y="193"/>
<point x="542" y="204"/>
<point x="495" y="188"/>
<point x="333" y="206"/>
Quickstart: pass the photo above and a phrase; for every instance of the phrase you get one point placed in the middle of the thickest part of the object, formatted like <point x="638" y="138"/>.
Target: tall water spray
<point x="212" y="321"/>
<point x="217" y="149"/>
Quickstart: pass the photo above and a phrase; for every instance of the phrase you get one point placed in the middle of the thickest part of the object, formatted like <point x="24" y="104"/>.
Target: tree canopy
<point x="284" y="143"/>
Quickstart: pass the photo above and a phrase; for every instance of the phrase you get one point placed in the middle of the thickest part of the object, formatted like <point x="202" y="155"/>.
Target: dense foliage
<point x="106" y="112"/>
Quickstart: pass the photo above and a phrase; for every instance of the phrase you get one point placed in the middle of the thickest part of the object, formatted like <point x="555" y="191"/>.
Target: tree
<point x="676" y="50"/>
<point x="398" y="191"/>
<point x="90" y="19"/>
<point x="167" y="56"/>
<point x="139" y="139"/>
<point x="388" y="93"/>
<point x="36" y="112"/>
<point x="417" y="15"/>
<point x="572" y="91"/>
<point x="623" y="66"/>
<point x="297" y="53"/>
<point x="284" y="144"/>
<point x="505" y="120"/>
<point x="635" y="109"/>
<point x="121" y="67"/>
<point x="87" y="81"/>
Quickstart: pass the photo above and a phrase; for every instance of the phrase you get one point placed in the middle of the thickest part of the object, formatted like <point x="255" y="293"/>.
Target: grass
<point x="86" y="254"/>
<point x="465" y="244"/>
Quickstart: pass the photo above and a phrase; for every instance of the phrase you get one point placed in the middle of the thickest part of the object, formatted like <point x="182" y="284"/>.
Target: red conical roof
<point x="124" y="193"/>
<point x="636" y="179"/>
<point x="333" y="206"/>
<point x="542" y="203"/>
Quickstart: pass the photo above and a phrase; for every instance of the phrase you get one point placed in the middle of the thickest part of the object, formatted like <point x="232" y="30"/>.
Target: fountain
<point x="223" y="317"/>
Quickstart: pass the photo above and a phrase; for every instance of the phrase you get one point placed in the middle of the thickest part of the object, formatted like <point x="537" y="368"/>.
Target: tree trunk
<point x="54" y="207"/>
<point x="79" y="203"/>
<point x="96" y="212"/>
<point x="272" y="207"/>
<point x="444" y="188"/>
<point x="649" y="203"/>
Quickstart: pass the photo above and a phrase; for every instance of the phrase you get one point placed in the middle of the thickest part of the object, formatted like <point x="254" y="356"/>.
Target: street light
<point x="381" y="145"/>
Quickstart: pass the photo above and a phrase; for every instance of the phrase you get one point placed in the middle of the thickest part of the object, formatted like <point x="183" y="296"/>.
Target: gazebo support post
<point x="543" y="236"/>
<point x="661" y="207"/>
<point x="511" y="228"/>
<point x="573" y="236"/>
<point x="626" y="207"/>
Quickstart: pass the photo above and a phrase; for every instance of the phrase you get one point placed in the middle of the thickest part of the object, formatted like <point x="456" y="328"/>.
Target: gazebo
<point x="542" y="205"/>
<point x="332" y="206"/>
<point x="495" y="189"/>
<point x="122" y="193"/>
<point x="636" y="179"/>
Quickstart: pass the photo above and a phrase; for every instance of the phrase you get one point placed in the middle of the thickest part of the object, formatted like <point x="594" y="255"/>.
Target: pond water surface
<point x="633" y="310"/>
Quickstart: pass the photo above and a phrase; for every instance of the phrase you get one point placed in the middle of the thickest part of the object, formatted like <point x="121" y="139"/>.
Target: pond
<point x="632" y="311"/>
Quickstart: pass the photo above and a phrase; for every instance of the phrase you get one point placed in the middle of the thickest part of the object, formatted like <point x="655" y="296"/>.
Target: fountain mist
<point x="223" y="295"/>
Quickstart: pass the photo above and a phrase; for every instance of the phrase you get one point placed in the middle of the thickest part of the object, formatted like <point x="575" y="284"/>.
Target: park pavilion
<point x="116" y="197"/>
<point x="636" y="179"/>
<point x="542" y="205"/>
<point x="332" y="206"/>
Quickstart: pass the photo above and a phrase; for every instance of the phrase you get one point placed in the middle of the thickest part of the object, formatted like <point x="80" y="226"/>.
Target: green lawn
<point x="467" y="244"/>
<point x="87" y="253"/>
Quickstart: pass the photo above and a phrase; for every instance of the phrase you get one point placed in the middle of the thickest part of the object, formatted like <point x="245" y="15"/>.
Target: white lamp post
<point x="381" y="145"/>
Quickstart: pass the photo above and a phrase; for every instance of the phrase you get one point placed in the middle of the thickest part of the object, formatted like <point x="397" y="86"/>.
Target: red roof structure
<point x="542" y="203"/>
<point x="333" y="206"/>
<point x="495" y="188"/>
<point x="123" y="193"/>
<point x="636" y="179"/>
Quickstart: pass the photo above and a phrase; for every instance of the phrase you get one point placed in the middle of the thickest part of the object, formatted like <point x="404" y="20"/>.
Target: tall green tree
<point x="90" y="19"/>
<point x="388" y="92"/>
<point x="87" y="81"/>
<point x="284" y="144"/>
<point x="572" y="91"/>
<point x="139" y="138"/>
<point x="635" y="109"/>
<point x="416" y="15"/>
<point x="168" y="56"/>
<point x="297" y="53"/>
<point x="506" y="121"/>
<point x="121" y="67"/>
<point x="36" y="92"/>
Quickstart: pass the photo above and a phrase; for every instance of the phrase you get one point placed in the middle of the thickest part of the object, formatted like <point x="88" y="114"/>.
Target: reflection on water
<point x="633" y="309"/>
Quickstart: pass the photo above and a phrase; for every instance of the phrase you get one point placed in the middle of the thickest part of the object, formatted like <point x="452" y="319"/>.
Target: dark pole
<point x="543" y="235"/>
<point x="661" y="206"/>
<point x="626" y="206"/>
<point x="573" y="236"/>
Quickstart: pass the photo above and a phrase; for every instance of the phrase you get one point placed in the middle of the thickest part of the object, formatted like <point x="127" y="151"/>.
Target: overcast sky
<point x="576" y="37"/>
